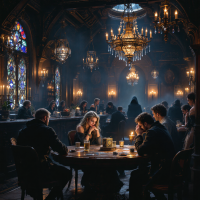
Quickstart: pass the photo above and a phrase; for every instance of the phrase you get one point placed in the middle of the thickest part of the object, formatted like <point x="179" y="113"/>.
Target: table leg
<point x="76" y="181"/>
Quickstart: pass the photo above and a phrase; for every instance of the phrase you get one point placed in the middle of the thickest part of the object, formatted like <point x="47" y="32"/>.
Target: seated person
<point x="110" y="108"/>
<point x="42" y="138"/>
<point x="24" y="112"/>
<point x="61" y="107"/>
<point x="83" y="107"/>
<point x="101" y="106"/>
<point x="159" y="145"/>
<point x="175" y="113"/>
<point x="88" y="129"/>
<point x="116" y="117"/>
<point x="52" y="107"/>
<point x="160" y="114"/>
<point x="95" y="107"/>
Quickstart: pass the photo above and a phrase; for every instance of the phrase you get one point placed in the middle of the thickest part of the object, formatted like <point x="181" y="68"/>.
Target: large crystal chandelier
<point x="62" y="50"/>
<point x="132" y="77"/>
<point x="129" y="45"/>
<point x="91" y="60"/>
<point x="164" y="22"/>
<point x="154" y="74"/>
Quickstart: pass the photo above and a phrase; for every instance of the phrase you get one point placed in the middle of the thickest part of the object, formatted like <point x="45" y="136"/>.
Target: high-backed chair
<point x="71" y="137"/>
<point x="178" y="175"/>
<point x="29" y="175"/>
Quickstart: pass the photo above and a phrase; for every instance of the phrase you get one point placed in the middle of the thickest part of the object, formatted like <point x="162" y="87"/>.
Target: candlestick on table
<point x="131" y="137"/>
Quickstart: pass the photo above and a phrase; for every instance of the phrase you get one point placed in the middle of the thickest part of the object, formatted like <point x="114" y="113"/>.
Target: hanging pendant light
<point x="154" y="74"/>
<point x="132" y="77"/>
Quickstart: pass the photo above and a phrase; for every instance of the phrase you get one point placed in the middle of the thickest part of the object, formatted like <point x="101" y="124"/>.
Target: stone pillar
<point x="196" y="154"/>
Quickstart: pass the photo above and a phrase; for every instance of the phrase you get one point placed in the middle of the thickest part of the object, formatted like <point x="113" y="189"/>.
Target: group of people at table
<point x="156" y="134"/>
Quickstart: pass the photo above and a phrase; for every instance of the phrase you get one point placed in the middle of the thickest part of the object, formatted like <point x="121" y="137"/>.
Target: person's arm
<point x="80" y="135"/>
<point x="22" y="114"/>
<point x="146" y="146"/>
<point x="55" y="143"/>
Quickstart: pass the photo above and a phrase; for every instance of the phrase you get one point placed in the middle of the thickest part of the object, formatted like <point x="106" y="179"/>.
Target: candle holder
<point x="131" y="137"/>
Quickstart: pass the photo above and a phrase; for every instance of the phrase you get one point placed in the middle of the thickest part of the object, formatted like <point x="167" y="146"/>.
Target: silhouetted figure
<point x="24" y="112"/>
<point x="83" y="107"/>
<point x="157" y="144"/>
<point x="110" y="108"/>
<point x="185" y="110"/>
<point x="52" y="107"/>
<point x="61" y="107"/>
<point x="160" y="114"/>
<point x="95" y="107"/>
<point x="42" y="138"/>
<point x="134" y="109"/>
<point x="175" y="112"/>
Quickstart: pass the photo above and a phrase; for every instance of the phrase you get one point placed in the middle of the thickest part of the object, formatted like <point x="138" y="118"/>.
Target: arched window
<point x="57" y="85"/>
<point x="16" y="71"/>
<point x="19" y="36"/>
<point x="11" y="78"/>
<point x="21" y="82"/>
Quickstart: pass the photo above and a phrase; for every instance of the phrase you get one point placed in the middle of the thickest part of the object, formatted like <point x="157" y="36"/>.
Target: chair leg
<point x="22" y="194"/>
<point x="76" y="180"/>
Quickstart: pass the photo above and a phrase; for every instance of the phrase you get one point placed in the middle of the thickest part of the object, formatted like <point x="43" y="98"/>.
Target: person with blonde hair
<point x="88" y="129"/>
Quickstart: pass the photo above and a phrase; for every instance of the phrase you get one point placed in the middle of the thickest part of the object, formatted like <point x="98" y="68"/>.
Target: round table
<point x="100" y="159"/>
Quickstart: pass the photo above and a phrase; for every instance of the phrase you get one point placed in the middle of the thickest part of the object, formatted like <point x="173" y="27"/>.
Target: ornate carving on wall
<point x="169" y="76"/>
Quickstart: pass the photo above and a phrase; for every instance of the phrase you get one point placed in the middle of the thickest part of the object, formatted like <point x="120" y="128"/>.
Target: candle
<point x="83" y="60"/>
<point x="165" y="12"/>
<point x="188" y="73"/>
<point x="111" y="31"/>
<point x="134" y="30"/>
<point x="121" y="143"/>
<point x="142" y="31"/>
<point x="131" y="136"/>
<point x="3" y="90"/>
<point x="146" y="32"/>
<point x="156" y="16"/>
<point x="119" y="31"/>
<point x="150" y="34"/>
<point x="176" y="14"/>
<point x="106" y="36"/>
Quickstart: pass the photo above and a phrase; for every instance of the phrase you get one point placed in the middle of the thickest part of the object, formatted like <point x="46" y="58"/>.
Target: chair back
<point x="27" y="164"/>
<point x="71" y="136"/>
<point x="121" y="128"/>
<point x="180" y="165"/>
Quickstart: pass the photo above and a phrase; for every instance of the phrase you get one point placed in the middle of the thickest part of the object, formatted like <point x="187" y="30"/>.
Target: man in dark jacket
<point x="175" y="112"/>
<point x="159" y="145"/>
<point x="61" y="107"/>
<point x="160" y="114"/>
<point x="24" y="112"/>
<point x="38" y="135"/>
<point x="110" y="108"/>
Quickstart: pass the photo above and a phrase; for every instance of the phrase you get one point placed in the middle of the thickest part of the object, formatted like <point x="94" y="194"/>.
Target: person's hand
<point x="92" y="128"/>
<point x="138" y="130"/>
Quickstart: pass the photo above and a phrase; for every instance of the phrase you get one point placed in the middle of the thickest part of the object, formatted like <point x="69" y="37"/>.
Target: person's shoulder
<point x="80" y="129"/>
<point x="92" y="106"/>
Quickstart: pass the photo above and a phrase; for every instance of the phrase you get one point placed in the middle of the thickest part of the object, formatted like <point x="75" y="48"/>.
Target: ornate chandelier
<point x="164" y="22"/>
<point x="132" y="77"/>
<point x="62" y="50"/>
<point x="154" y="74"/>
<point x="129" y="45"/>
<point x="91" y="60"/>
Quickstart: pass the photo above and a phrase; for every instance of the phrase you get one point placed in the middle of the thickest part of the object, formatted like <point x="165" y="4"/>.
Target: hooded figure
<point x="175" y="112"/>
<point x="134" y="109"/>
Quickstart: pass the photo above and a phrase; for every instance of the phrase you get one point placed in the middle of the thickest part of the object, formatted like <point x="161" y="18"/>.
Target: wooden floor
<point x="70" y="194"/>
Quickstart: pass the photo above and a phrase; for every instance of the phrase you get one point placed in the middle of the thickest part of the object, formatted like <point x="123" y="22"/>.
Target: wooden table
<point x="100" y="159"/>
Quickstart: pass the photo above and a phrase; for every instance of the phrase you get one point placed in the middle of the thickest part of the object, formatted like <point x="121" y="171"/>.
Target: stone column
<point x="196" y="154"/>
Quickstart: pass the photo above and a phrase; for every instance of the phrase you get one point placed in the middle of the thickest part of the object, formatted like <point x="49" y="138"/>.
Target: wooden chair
<point x="71" y="137"/>
<point x="178" y="175"/>
<point x="29" y="175"/>
<point x="119" y="134"/>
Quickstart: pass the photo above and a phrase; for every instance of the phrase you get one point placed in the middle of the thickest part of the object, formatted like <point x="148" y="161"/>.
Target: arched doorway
<point x="126" y="92"/>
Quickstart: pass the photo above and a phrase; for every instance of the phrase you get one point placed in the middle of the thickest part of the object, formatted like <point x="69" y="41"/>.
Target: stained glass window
<point x="11" y="79"/>
<point x="18" y="38"/>
<point x="57" y="85"/>
<point x="21" y="82"/>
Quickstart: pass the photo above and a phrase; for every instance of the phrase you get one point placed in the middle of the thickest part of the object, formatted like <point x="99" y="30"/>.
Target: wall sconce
<point x="79" y="93"/>
<point x="191" y="75"/>
<point x="43" y="75"/>
<point x="179" y="93"/>
<point x="186" y="90"/>
<point x="112" y="94"/>
<point x="152" y="94"/>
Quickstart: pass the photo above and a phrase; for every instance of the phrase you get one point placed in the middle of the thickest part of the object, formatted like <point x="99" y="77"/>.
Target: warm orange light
<point x="112" y="93"/>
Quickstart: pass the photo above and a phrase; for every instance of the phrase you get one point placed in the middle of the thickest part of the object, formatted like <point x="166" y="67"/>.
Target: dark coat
<point x="24" y="113"/>
<point x="134" y="109"/>
<point x="51" y="111"/>
<point x="60" y="108"/>
<point x="41" y="137"/>
<point x="116" y="117"/>
<point x="111" y="110"/>
<point x="175" y="113"/>
<point x="171" y="127"/>
<point x="157" y="143"/>
<point x="95" y="109"/>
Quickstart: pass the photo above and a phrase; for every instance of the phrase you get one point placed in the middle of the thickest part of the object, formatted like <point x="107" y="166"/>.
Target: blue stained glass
<point x="19" y="34"/>
<point x="11" y="68"/>
<point x="22" y="70"/>
<point x="11" y="84"/>
<point x="57" y="85"/>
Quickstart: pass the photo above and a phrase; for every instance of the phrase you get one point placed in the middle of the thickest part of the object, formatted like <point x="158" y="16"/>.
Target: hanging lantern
<point x="154" y="74"/>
